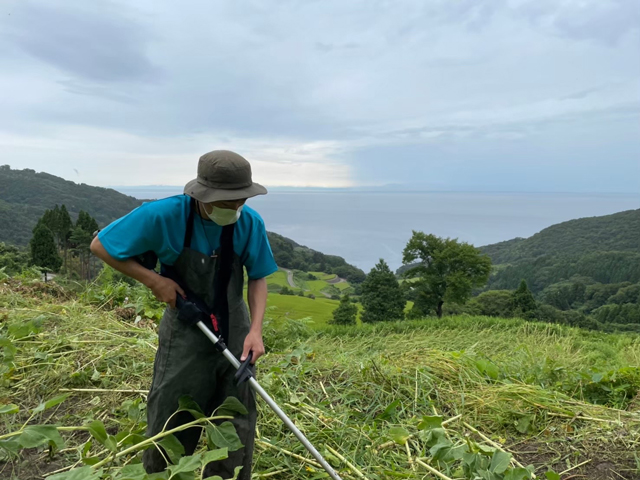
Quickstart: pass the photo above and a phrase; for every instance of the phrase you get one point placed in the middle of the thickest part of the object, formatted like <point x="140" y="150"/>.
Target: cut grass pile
<point x="431" y="399"/>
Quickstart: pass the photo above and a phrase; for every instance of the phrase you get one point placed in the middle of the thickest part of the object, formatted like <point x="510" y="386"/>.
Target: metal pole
<point x="274" y="406"/>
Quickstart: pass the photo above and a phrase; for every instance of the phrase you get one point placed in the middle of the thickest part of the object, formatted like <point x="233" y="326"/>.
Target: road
<point x="290" y="277"/>
<point x="293" y="285"/>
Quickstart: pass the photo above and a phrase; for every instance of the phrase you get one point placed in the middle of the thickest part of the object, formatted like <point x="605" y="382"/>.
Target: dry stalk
<point x="291" y="454"/>
<point x="496" y="445"/>
<point x="347" y="463"/>
<point x="574" y="467"/>
<point x="102" y="390"/>
<point x="433" y="470"/>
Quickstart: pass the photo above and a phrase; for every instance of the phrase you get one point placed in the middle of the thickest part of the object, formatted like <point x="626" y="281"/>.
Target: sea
<point x="363" y="227"/>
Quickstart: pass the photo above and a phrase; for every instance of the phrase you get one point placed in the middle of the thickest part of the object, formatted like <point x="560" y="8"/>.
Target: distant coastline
<point x="143" y="192"/>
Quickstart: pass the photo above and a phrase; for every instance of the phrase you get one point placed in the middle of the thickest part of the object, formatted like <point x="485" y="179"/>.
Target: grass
<point x="277" y="280"/>
<point x="393" y="400"/>
<point x="319" y="287"/>
<point x="318" y="311"/>
<point x="323" y="276"/>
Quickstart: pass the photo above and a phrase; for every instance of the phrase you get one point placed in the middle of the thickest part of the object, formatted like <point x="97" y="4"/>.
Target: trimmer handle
<point x="179" y="301"/>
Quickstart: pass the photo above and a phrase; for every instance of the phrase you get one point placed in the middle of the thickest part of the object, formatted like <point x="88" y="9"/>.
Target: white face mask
<point x="224" y="216"/>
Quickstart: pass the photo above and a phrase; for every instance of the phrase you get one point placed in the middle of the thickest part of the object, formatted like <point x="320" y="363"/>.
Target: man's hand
<point x="253" y="343"/>
<point x="165" y="290"/>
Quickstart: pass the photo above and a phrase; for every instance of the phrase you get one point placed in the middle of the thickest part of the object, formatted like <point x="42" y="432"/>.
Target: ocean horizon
<point x="364" y="226"/>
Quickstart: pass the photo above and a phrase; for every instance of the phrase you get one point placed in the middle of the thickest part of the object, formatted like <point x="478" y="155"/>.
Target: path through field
<point x="290" y="277"/>
<point x="292" y="284"/>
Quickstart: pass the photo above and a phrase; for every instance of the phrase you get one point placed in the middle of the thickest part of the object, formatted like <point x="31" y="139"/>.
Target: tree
<point x="86" y="222"/>
<point x="44" y="253"/>
<point x="64" y="230"/>
<point x="80" y="240"/>
<point x="494" y="303"/>
<point x="523" y="300"/>
<point x="382" y="299"/>
<point x="13" y="259"/>
<point x="448" y="270"/>
<point x="346" y="312"/>
<point x="286" y="291"/>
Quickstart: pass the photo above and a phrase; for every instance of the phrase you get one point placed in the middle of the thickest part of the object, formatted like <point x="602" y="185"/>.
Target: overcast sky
<point x="523" y="95"/>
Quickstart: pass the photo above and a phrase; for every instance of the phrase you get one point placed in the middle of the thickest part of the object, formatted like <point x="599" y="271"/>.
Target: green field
<point x="467" y="397"/>
<point x="277" y="280"/>
<point x="320" y="287"/>
<point x="318" y="311"/>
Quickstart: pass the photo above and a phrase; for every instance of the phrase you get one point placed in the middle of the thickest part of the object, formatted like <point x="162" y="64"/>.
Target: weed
<point x="397" y="400"/>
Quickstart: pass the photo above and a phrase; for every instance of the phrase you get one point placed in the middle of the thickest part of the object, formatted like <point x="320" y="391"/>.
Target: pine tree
<point x="523" y="300"/>
<point x="86" y="222"/>
<point x="346" y="312"/>
<point x="44" y="253"/>
<point x="382" y="299"/>
<point x="80" y="239"/>
<point x="64" y="226"/>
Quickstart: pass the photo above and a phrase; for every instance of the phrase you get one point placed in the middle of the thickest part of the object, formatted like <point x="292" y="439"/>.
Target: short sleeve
<point x="258" y="258"/>
<point x="138" y="232"/>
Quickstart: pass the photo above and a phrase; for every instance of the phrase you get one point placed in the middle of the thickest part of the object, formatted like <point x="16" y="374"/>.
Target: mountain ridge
<point x="615" y="232"/>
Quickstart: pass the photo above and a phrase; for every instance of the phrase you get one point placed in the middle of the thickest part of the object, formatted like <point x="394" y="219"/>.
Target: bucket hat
<point x="223" y="175"/>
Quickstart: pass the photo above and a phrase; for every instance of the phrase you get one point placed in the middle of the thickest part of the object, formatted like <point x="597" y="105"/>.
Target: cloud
<point x="116" y="158"/>
<point x="607" y="22"/>
<point x="324" y="93"/>
<point x="96" y="45"/>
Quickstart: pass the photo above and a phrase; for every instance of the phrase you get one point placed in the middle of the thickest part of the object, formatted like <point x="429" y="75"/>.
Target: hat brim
<point x="206" y="194"/>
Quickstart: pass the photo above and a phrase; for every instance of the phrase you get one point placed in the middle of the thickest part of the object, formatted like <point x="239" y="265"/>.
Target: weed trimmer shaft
<point x="219" y="343"/>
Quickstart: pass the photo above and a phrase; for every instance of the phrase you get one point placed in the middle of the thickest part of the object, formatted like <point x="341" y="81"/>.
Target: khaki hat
<point x="223" y="175"/>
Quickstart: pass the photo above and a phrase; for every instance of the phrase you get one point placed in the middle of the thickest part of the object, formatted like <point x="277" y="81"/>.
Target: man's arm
<point x="163" y="288"/>
<point x="257" y="296"/>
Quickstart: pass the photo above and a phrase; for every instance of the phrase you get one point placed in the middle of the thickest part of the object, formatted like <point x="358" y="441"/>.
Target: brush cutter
<point x="189" y="312"/>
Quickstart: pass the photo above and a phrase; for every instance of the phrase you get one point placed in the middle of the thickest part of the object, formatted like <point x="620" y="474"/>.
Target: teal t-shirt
<point x="160" y="226"/>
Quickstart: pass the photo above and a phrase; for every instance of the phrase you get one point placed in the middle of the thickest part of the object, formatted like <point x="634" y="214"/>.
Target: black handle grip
<point x="179" y="301"/>
<point x="244" y="372"/>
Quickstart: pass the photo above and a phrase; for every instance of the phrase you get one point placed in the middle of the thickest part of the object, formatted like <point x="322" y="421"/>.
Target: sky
<point x="464" y="95"/>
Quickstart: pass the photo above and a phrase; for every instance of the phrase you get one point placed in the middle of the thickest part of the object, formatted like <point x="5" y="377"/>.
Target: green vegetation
<point x="44" y="253"/>
<point x="13" y="259"/>
<point x="611" y="233"/>
<point x="317" y="310"/>
<point x="468" y="397"/>
<point x="584" y="273"/>
<point x="448" y="270"/>
<point x="289" y="254"/>
<point x="25" y="195"/>
<point x="523" y="302"/>
<point x="382" y="299"/>
<point x="346" y="312"/>
<point x="599" y="249"/>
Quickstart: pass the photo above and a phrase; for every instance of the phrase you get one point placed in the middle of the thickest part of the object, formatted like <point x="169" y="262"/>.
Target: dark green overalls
<point x="187" y="363"/>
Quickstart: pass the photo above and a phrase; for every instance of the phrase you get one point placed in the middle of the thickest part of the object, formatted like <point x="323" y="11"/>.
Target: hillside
<point x="596" y="250"/>
<point x="619" y="232"/>
<point x="468" y="397"/>
<point x="25" y="195"/>
<point x="289" y="254"/>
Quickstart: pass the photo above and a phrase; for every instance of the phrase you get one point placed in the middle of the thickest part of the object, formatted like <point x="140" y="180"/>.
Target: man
<point x="188" y="233"/>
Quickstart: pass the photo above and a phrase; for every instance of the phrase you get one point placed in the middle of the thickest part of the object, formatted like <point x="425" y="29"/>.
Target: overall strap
<point x="223" y="277"/>
<point x="189" y="231"/>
